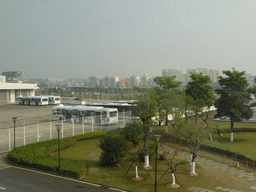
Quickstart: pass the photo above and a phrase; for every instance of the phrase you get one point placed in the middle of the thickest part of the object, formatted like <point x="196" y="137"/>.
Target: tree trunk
<point x="173" y="179"/>
<point x="196" y="117"/>
<point x="166" y="123"/>
<point x="146" y="128"/>
<point x="232" y="128"/>
<point x="193" y="168"/>
<point x="136" y="170"/>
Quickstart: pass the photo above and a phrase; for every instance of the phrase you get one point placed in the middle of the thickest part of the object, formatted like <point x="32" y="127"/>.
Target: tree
<point x="192" y="134"/>
<point x="113" y="149"/>
<point x="166" y="95"/>
<point x="172" y="166"/>
<point x="234" y="98"/>
<point x="133" y="132"/>
<point x="200" y="91"/>
<point x="166" y="82"/>
<point x="145" y="110"/>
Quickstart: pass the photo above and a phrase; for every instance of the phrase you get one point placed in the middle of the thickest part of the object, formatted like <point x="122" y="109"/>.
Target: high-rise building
<point x="145" y="80"/>
<point x="134" y="80"/>
<point x="93" y="81"/>
<point x="173" y="72"/>
<point x="213" y="74"/>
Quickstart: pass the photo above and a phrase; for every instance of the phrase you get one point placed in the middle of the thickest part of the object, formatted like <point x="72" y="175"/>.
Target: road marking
<point x="2" y="188"/>
<point x="117" y="189"/>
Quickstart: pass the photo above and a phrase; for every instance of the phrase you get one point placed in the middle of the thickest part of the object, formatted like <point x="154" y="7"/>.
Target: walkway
<point x="223" y="168"/>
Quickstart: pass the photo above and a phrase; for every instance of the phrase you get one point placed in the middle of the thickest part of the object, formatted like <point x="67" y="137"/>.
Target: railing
<point x="36" y="130"/>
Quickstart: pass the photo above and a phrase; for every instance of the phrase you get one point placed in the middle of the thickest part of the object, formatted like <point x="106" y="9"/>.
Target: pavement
<point x="239" y="173"/>
<point x="20" y="179"/>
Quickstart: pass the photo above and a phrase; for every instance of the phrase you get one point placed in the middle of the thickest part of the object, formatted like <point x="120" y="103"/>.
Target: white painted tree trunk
<point x="193" y="168"/>
<point x="146" y="161"/>
<point x="173" y="179"/>
<point x="136" y="172"/>
<point x="191" y="157"/>
<point x="231" y="137"/>
<point x="166" y="129"/>
<point x="210" y="136"/>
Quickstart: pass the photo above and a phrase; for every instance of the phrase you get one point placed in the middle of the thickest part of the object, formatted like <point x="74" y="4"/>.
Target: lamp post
<point x="156" y="138"/>
<point x="58" y="128"/>
<point x="14" y="120"/>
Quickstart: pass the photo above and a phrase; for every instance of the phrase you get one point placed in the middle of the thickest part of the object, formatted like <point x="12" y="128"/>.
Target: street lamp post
<point x="14" y="120"/>
<point x="58" y="128"/>
<point x="157" y="137"/>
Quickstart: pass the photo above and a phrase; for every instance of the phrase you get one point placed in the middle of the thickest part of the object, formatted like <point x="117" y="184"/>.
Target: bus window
<point x="81" y="113"/>
<point x="75" y="113"/>
<point x="104" y="114"/>
<point x="54" y="112"/>
<point x="58" y="111"/>
<point x="63" y="112"/>
<point x="57" y="99"/>
<point x="44" y="99"/>
<point x="113" y="114"/>
<point x="89" y="113"/>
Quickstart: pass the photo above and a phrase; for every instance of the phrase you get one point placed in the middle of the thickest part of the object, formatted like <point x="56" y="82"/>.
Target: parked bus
<point x="54" y="100"/>
<point x="32" y="100"/>
<point x="120" y="106"/>
<point x="91" y="114"/>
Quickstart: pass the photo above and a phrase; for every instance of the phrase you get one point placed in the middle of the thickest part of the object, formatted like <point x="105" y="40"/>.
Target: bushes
<point x="38" y="155"/>
<point x="113" y="149"/>
<point x="133" y="132"/>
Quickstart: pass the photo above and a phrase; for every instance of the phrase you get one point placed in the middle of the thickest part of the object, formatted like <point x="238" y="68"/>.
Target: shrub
<point x="113" y="149"/>
<point x="38" y="155"/>
<point x="133" y="132"/>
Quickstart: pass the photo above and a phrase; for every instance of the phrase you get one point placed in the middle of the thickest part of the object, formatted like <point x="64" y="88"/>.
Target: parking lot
<point x="34" y="124"/>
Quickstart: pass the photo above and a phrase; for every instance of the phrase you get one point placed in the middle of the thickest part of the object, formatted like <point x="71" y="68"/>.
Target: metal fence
<point x="44" y="130"/>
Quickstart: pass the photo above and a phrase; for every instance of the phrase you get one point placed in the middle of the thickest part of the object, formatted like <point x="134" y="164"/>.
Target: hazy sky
<point x="80" y="38"/>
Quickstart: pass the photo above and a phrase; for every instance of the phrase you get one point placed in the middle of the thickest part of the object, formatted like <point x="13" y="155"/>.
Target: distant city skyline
<point x="77" y="39"/>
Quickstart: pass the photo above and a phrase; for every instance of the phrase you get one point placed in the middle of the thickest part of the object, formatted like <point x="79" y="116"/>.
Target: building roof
<point x="8" y="86"/>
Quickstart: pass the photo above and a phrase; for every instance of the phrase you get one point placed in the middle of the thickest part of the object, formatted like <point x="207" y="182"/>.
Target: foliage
<point x="167" y="82"/>
<point x="234" y="97"/>
<point x="200" y="91"/>
<point x="191" y="134"/>
<point x="150" y="151"/>
<point x="133" y="132"/>
<point x="113" y="149"/>
<point x="38" y="155"/>
<point x="146" y="110"/>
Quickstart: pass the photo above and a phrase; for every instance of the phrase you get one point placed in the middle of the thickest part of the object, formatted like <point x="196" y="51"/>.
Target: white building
<point x="9" y="91"/>
<point x="134" y="80"/>
<point x="173" y="72"/>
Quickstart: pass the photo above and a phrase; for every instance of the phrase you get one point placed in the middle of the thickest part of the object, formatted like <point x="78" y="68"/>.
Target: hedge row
<point x="38" y="155"/>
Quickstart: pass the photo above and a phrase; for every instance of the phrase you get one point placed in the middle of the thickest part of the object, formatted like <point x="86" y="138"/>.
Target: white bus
<point x="54" y="100"/>
<point x="101" y="115"/>
<point x="32" y="100"/>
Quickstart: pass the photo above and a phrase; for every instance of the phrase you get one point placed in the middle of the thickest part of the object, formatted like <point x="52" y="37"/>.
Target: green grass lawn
<point x="115" y="176"/>
<point x="244" y="143"/>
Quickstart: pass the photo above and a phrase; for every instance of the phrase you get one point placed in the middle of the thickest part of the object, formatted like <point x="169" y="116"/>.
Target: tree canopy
<point x="167" y="82"/>
<point x="234" y="97"/>
<point x="199" y="93"/>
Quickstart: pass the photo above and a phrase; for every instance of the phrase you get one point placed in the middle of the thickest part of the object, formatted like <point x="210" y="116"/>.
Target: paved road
<point x="20" y="179"/>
